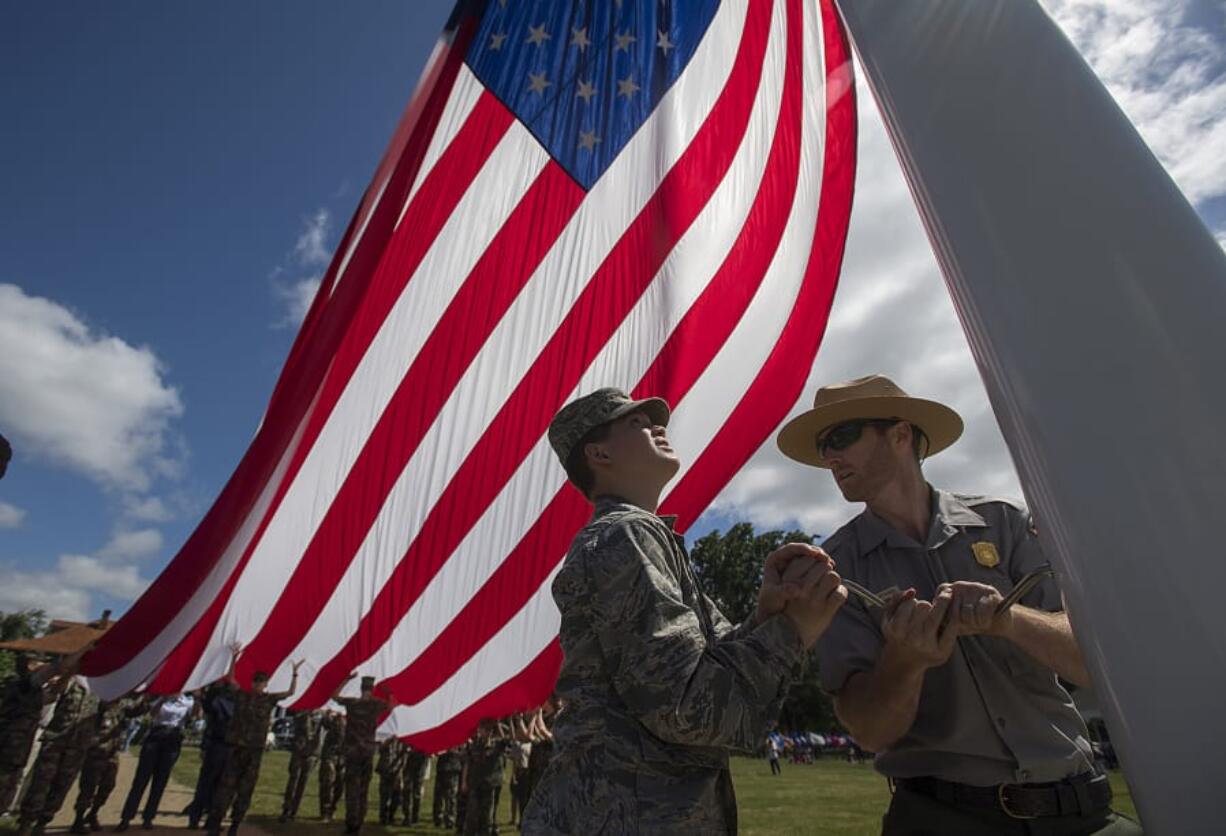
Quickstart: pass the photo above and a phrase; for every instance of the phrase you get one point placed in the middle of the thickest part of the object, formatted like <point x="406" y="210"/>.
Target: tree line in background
<point x="729" y="565"/>
<point x="27" y="624"/>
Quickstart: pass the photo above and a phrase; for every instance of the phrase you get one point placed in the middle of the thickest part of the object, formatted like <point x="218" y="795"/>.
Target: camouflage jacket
<point x="658" y="687"/>
<point x="415" y="761"/>
<point x="333" y="735"/>
<point x="72" y="722"/>
<point x="361" y="721"/>
<point x="391" y="757"/>
<point x="449" y="762"/>
<point x="20" y="712"/>
<point x="487" y="761"/>
<point x="308" y="733"/>
<point x="111" y="726"/>
<point x="252" y="718"/>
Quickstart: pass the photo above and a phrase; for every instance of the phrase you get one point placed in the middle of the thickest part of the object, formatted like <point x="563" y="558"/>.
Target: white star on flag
<point x="624" y="39"/>
<point x="537" y="83"/>
<point x="626" y="87"/>
<point x="579" y="38"/>
<point x="586" y="91"/>
<point x="664" y="43"/>
<point x="538" y="36"/>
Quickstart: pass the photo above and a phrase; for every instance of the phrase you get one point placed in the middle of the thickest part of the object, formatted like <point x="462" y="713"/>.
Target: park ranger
<point x="304" y="752"/>
<point x="362" y="715"/>
<point x="331" y="764"/>
<point x="659" y="688"/>
<point x="247" y="734"/>
<point x="959" y="697"/>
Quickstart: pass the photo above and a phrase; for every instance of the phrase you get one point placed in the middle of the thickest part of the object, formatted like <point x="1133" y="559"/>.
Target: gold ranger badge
<point x="986" y="554"/>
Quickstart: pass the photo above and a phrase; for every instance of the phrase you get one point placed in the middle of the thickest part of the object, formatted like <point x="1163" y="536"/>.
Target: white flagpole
<point x="1094" y="300"/>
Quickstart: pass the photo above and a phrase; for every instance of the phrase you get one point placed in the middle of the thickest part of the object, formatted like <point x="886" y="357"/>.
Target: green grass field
<point x="828" y="797"/>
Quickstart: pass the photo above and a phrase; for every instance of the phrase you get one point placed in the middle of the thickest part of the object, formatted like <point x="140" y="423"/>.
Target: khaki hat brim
<point x="798" y="438"/>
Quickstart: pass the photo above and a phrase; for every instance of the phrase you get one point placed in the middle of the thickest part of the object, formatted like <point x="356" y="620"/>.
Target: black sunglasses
<point x="842" y="436"/>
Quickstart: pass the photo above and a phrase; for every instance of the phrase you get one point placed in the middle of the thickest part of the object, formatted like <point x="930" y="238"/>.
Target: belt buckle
<point x="1004" y="805"/>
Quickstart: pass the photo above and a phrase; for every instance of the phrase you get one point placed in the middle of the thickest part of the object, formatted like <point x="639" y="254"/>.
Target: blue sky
<point x="175" y="175"/>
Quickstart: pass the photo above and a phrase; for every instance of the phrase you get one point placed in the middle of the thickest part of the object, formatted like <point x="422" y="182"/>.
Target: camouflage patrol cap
<point x="582" y="415"/>
<point x="368" y="682"/>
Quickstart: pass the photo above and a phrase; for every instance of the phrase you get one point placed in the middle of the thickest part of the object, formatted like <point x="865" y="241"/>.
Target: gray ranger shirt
<point x="991" y="714"/>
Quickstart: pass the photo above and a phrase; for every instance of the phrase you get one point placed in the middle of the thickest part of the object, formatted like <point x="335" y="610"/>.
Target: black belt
<point x="1084" y="795"/>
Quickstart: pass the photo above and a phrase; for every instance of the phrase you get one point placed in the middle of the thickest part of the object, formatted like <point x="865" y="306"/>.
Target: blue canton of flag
<point x="582" y="76"/>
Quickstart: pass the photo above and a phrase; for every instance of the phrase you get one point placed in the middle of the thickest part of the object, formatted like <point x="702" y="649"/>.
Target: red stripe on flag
<point x="778" y="384"/>
<point x="603" y="304"/>
<point x="295" y="390"/>
<point x="682" y="360"/>
<point x="519" y="693"/>
<point x="456" y="339"/>
<point x="429" y="210"/>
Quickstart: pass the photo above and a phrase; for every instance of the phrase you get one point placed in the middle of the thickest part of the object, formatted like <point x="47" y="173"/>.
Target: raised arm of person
<point x="236" y="650"/>
<point x="662" y="664"/>
<point x="293" y="681"/>
<point x="336" y="694"/>
<point x="878" y="705"/>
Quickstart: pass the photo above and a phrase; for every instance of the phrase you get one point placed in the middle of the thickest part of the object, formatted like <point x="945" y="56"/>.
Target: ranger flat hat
<point x="582" y="415"/>
<point x="874" y="396"/>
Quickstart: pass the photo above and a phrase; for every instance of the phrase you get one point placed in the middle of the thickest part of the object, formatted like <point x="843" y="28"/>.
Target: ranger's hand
<point x="913" y="631"/>
<point x="973" y="610"/>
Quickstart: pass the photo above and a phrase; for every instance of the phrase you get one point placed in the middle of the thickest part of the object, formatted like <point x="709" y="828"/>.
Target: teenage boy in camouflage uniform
<point x="304" y="752"/>
<point x="658" y="686"/>
<point x="102" y="761"/>
<point x="25" y="695"/>
<point x="447" y="770"/>
<point x="331" y="764"/>
<point x="247" y="735"/>
<point x="362" y="715"/>
<point x="64" y="743"/>
<point x="482" y="779"/>
<point x="413" y="781"/>
<point x="389" y="767"/>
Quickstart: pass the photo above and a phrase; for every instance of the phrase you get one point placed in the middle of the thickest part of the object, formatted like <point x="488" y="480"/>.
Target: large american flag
<point x="652" y="194"/>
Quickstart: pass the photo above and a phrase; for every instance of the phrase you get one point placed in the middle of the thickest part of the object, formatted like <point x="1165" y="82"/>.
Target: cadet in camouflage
<point x="658" y="687"/>
<point x="413" y="782"/>
<point x="447" y="770"/>
<point x="389" y="766"/>
<point x="331" y="764"/>
<point x="25" y="695"/>
<point x="102" y="761"/>
<point x="482" y="778"/>
<point x="304" y="752"/>
<point x="362" y="715"/>
<point x="64" y="743"/>
<point x="247" y="734"/>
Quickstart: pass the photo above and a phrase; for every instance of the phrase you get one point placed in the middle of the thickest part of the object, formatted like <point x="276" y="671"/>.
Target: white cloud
<point x="892" y="313"/>
<point x="132" y="545"/>
<point x="311" y="248"/>
<point x="82" y="399"/>
<point x="94" y="574"/>
<point x="44" y="591"/>
<point x="1167" y="73"/>
<point x="11" y="516"/>
<point x="147" y="509"/>
<point x="310" y="253"/>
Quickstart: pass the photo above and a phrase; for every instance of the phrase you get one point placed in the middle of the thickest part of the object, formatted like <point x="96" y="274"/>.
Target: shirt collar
<point x="949" y="513"/>
<point x="606" y="503"/>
